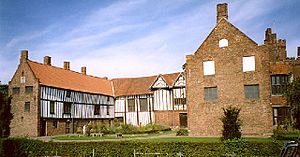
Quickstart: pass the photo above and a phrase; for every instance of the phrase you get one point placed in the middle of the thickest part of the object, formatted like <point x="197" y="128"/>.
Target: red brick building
<point x="230" y="69"/>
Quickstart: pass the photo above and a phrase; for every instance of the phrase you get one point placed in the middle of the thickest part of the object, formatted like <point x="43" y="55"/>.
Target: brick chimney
<point x="47" y="60"/>
<point x="222" y="11"/>
<point x="83" y="70"/>
<point x="66" y="65"/>
<point x="24" y="56"/>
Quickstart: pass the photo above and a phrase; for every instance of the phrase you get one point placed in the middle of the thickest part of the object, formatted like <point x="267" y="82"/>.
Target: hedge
<point x="27" y="147"/>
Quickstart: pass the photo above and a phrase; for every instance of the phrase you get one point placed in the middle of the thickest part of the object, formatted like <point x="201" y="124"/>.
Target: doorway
<point x="183" y="120"/>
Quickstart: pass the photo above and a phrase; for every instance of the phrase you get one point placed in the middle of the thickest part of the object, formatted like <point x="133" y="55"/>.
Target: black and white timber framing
<point x="78" y="104"/>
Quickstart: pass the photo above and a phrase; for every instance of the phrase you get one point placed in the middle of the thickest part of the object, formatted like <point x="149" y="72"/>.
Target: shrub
<point x="182" y="132"/>
<point x="27" y="147"/>
<point x="231" y="123"/>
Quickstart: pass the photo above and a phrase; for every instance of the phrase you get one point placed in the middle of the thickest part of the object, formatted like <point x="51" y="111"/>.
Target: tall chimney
<point x="66" y="65"/>
<point x="47" y="60"/>
<point x="298" y="51"/>
<point x="83" y="70"/>
<point x="222" y="11"/>
<point x="24" y="56"/>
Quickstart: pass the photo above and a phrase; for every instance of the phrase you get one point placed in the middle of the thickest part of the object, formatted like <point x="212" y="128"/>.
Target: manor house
<point x="228" y="69"/>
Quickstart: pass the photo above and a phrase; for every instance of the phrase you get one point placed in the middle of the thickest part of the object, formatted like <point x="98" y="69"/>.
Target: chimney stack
<point x="222" y="11"/>
<point x="66" y="65"/>
<point x="83" y="70"/>
<point x="47" y="60"/>
<point x="24" y="56"/>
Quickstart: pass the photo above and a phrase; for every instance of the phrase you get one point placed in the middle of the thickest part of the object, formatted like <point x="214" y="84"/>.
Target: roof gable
<point x="67" y="79"/>
<point x="159" y="82"/>
<point x="180" y="81"/>
<point x="224" y="30"/>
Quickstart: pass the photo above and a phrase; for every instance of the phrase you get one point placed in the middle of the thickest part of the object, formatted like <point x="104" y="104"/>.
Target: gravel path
<point x="51" y="138"/>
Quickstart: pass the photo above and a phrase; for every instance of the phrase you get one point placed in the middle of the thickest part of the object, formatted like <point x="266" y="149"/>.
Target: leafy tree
<point x="292" y="94"/>
<point x="231" y="123"/>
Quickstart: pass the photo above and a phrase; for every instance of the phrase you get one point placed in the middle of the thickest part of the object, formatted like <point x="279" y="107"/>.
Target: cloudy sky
<point x="130" y="38"/>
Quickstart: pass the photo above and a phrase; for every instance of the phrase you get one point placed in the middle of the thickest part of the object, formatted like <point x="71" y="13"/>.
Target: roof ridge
<point x="68" y="70"/>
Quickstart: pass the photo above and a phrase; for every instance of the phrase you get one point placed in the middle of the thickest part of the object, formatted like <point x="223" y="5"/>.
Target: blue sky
<point x="130" y="38"/>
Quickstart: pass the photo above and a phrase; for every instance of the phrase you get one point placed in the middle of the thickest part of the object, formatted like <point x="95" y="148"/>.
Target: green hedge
<point x="27" y="147"/>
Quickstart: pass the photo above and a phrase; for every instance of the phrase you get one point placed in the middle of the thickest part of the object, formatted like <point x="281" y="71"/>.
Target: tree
<point x="292" y="94"/>
<point x="231" y="123"/>
<point x="5" y="114"/>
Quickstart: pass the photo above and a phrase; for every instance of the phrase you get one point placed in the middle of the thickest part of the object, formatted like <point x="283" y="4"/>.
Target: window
<point x="248" y="63"/>
<point x="108" y="99"/>
<point x="251" y="91"/>
<point x="209" y="67"/>
<point x="54" y="124"/>
<point x="180" y="101"/>
<point x="67" y="107"/>
<point x="278" y="84"/>
<point x="68" y="94"/>
<point x="131" y="105"/>
<point x="28" y="89"/>
<point x="143" y="105"/>
<point x="16" y="90"/>
<point x="210" y="93"/>
<point x="223" y="43"/>
<point x="107" y="110"/>
<point x="280" y="115"/>
<point x="22" y="79"/>
<point x="27" y="107"/>
<point x="96" y="109"/>
<point x="52" y="107"/>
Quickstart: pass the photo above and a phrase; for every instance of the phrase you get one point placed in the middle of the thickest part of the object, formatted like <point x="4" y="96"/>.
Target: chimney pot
<point x="66" y="65"/>
<point x="47" y="60"/>
<point x="24" y="56"/>
<point x="222" y="11"/>
<point x="83" y="70"/>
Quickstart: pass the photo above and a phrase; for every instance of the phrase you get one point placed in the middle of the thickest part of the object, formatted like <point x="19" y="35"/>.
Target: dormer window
<point x="223" y="43"/>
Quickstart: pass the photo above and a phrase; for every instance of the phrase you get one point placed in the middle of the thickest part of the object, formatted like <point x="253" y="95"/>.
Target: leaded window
<point x="131" y="105"/>
<point x="143" y="105"/>
<point x="210" y="93"/>
<point x="251" y="91"/>
<point x="278" y="84"/>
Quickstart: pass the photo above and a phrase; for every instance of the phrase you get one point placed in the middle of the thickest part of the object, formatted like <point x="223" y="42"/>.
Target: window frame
<point x="96" y="109"/>
<point x="52" y="107"/>
<point x="278" y="83"/>
<point x="247" y="60"/>
<point x="131" y="107"/>
<point x="209" y="68"/>
<point x="16" y="90"/>
<point x="144" y="107"/>
<point x="249" y="95"/>
<point x="279" y="119"/>
<point x="209" y="95"/>
<point x="28" y="89"/>
<point x="27" y="106"/>
<point x="67" y="107"/>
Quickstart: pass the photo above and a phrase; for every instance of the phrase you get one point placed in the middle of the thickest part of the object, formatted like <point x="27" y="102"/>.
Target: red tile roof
<point x="67" y="79"/>
<point x="139" y="85"/>
<point x="133" y="86"/>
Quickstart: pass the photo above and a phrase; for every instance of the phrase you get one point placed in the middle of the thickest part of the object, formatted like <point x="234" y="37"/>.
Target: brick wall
<point x="203" y="116"/>
<point x="168" y="118"/>
<point x="24" y="123"/>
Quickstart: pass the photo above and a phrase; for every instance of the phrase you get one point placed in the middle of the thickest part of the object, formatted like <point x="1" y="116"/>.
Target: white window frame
<point x="209" y="68"/>
<point x="248" y="63"/>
